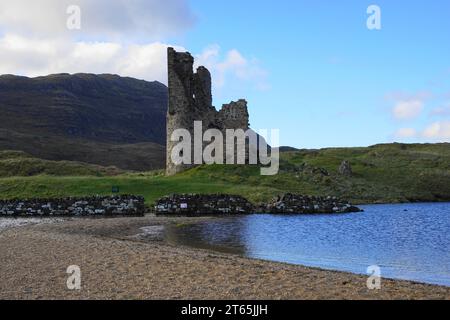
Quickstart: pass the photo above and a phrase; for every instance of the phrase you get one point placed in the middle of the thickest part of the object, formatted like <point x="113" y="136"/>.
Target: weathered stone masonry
<point x="219" y="204"/>
<point x="190" y="100"/>
<point x="122" y="205"/>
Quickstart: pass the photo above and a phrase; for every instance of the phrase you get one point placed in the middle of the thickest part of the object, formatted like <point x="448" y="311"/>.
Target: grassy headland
<point x="381" y="173"/>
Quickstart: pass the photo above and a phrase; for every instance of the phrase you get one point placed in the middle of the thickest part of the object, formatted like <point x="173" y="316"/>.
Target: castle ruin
<point x="190" y="100"/>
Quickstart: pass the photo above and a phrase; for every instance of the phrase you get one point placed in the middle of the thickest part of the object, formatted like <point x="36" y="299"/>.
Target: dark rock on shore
<point x="123" y="205"/>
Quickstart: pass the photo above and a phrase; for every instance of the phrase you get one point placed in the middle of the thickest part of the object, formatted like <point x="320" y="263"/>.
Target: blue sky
<point x="330" y="77"/>
<point x="309" y="68"/>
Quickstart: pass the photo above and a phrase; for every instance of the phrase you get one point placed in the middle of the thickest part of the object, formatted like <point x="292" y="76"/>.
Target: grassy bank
<point x="382" y="173"/>
<point x="150" y="186"/>
<point x="18" y="163"/>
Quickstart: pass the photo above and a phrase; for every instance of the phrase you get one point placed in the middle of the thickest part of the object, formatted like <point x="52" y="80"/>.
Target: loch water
<point x="407" y="241"/>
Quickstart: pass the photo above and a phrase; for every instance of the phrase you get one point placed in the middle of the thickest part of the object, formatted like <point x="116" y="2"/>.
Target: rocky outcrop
<point x="195" y="204"/>
<point x="294" y="203"/>
<point x="345" y="169"/>
<point x="123" y="205"/>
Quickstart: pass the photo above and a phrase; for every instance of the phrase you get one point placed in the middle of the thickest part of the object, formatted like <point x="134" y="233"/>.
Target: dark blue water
<point x="407" y="241"/>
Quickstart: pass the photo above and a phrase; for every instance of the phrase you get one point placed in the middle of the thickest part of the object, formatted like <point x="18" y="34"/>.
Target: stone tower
<point x="190" y="100"/>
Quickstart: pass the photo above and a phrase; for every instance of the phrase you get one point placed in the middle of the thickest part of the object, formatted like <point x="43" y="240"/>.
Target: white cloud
<point x="35" y="41"/>
<point x="406" y="133"/>
<point x="147" y="62"/>
<point x="20" y="55"/>
<point x="117" y="36"/>
<point x="438" y="131"/>
<point x="32" y="57"/>
<point x="406" y="106"/>
<point x="233" y="66"/>
<point x="408" y="109"/>
<point x="152" y="19"/>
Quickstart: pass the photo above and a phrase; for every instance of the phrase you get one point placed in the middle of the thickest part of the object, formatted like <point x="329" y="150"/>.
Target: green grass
<point x="151" y="187"/>
<point x="382" y="173"/>
<point x="17" y="163"/>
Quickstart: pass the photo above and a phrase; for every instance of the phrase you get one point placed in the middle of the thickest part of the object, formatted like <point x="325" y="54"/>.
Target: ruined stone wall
<point x="234" y="115"/>
<point x="122" y="205"/>
<point x="190" y="100"/>
<point x="196" y="204"/>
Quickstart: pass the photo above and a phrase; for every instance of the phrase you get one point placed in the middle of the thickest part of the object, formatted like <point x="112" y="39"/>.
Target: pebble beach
<point x="127" y="258"/>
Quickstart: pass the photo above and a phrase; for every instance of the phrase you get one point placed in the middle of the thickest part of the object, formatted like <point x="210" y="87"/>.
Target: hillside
<point x="101" y="119"/>
<point x="381" y="173"/>
<point x="18" y="163"/>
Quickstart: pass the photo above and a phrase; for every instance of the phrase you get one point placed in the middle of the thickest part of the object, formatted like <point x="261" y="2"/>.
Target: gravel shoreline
<point x="121" y="260"/>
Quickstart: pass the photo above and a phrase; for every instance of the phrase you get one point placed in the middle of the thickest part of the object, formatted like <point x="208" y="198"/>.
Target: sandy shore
<point x="115" y="264"/>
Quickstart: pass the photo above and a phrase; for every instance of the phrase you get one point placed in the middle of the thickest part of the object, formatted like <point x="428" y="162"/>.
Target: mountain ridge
<point x="78" y="117"/>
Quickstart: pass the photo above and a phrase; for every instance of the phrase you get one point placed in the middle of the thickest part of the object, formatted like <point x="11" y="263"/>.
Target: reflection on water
<point x="408" y="241"/>
<point x="218" y="235"/>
